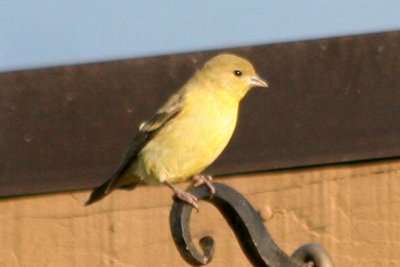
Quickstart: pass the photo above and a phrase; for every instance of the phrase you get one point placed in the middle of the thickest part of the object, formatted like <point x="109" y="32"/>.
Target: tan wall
<point x="353" y="210"/>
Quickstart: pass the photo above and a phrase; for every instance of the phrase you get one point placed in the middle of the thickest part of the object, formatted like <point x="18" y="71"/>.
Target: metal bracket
<point x="250" y="231"/>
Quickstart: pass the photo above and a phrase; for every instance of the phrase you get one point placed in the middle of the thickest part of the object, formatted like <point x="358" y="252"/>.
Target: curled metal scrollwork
<point x="248" y="226"/>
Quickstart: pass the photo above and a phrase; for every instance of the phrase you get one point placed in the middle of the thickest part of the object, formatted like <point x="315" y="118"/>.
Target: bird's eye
<point x="237" y="73"/>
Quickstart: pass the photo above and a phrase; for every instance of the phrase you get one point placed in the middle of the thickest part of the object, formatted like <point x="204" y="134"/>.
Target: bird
<point x="188" y="132"/>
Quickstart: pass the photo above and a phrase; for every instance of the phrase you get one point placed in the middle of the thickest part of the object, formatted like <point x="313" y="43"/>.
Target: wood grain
<point x="351" y="209"/>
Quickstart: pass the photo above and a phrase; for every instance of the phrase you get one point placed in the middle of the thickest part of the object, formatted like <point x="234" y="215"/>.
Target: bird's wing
<point x="164" y="114"/>
<point x="147" y="130"/>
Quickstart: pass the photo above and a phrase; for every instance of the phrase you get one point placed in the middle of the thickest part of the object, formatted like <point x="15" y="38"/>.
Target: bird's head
<point x="233" y="74"/>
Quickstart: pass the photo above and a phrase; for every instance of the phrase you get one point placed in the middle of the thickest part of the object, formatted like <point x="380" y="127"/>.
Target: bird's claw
<point x="183" y="196"/>
<point x="200" y="179"/>
<point x="187" y="198"/>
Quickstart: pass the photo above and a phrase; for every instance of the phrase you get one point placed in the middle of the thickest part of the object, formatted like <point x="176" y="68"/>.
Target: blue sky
<point x="53" y="32"/>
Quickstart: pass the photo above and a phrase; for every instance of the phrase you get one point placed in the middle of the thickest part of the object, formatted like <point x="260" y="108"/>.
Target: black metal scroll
<point x="248" y="226"/>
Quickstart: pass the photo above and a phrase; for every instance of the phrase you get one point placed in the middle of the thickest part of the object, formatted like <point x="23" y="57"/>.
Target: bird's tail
<point x="99" y="193"/>
<point x="106" y="188"/>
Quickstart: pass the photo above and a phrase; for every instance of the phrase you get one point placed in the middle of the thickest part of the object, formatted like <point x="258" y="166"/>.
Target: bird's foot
<point x="200" y="179"/>
<point x="184" y="196"/>
<point x="187" y="198"/>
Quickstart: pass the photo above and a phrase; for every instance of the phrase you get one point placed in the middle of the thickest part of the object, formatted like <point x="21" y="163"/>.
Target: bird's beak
<point x="256" y="81"/>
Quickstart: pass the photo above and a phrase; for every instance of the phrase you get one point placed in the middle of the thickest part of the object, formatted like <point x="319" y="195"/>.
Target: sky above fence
<point x="45" y="33"/>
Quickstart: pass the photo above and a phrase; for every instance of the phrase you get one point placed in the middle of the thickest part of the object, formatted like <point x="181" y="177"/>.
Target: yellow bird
<point x="188" y="132"/>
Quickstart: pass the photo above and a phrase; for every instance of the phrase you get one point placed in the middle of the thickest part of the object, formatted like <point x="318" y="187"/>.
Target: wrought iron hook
<point x="248" y="226"/>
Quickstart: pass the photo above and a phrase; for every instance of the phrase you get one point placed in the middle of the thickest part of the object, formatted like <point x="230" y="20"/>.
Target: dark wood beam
<point x="332" y="100"/>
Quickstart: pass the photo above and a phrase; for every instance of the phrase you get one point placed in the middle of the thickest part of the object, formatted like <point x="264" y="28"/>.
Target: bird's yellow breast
<point x="192" y="140"/>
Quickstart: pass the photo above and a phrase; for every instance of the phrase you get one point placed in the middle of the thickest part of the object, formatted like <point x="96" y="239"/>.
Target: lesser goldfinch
<point x="189" y="131"/>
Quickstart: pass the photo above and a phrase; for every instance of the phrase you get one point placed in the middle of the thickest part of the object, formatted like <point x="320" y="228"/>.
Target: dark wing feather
<point x="164" y="114"/>
<point x="146" y="131"/>
<point x="149" y="128"/>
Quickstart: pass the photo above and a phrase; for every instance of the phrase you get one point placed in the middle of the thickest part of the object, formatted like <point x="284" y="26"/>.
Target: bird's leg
<point x="200" y="179"/>
<point x="184" y="196"/>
